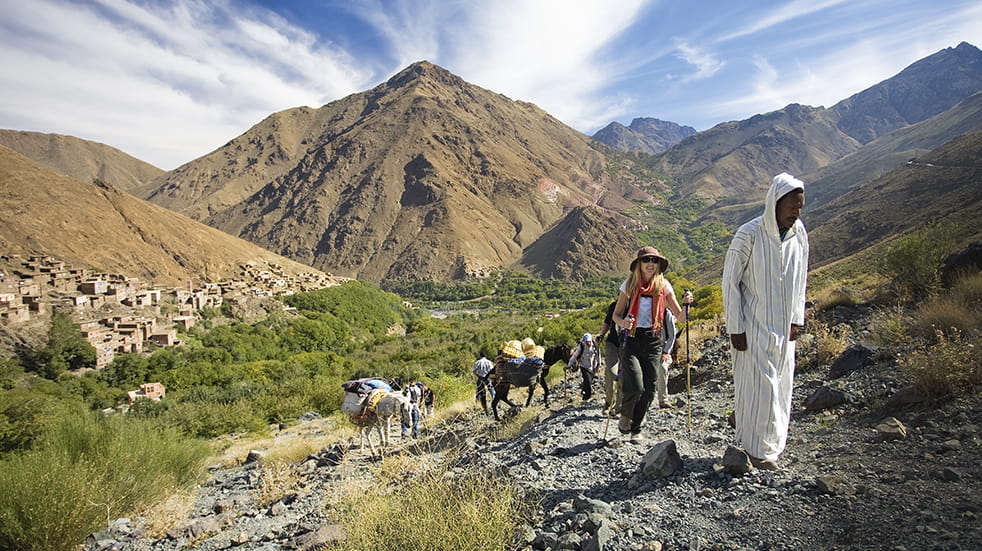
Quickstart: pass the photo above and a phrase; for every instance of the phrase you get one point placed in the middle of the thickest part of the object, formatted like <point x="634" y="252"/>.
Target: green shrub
<point x="86" y="471"/>
<point x="912" y="262"/>
<point x="66" y="349"/>
<point x="27" y="414"/>
<point x="207" y="419"/>
<point x="449" y="389"/>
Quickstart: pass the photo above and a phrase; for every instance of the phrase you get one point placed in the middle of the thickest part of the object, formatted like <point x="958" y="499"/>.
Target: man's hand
<point x="739" y="341"/>
<point x="794" y="332"/>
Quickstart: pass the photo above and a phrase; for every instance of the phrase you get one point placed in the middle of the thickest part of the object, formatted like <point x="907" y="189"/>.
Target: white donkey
<point x="379" y="408"/>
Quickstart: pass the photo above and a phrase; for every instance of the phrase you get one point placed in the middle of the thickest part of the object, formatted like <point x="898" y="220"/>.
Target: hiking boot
<point x="764" y="464"/>
<point x="624" y="424"/>
<point x="663" y="404"/>
<point x="636" y="438"/>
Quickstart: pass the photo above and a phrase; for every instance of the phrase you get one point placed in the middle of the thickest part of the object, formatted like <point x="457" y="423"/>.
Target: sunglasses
<point x="647" y="259"/>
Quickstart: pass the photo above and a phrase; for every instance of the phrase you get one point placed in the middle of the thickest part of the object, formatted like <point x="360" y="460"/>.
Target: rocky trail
<point x="862" y="470"/>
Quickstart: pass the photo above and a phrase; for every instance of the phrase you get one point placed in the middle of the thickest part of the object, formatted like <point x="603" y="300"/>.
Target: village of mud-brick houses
<point x="36" y="285"/>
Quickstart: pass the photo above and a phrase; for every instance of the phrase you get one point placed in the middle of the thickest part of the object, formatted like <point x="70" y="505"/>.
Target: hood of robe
<point x="780" y="186"/>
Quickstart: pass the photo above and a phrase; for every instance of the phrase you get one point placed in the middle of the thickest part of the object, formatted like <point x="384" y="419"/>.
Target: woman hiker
<point x="644" y="295"/>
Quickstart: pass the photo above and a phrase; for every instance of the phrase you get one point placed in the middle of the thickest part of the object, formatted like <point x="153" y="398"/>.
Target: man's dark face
<point x="788" y="209"/>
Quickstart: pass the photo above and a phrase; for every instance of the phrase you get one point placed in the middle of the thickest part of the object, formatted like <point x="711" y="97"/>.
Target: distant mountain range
<point x="429" y="177"/>
<point x="736" y="160"/>
<point x="645" y="134"/>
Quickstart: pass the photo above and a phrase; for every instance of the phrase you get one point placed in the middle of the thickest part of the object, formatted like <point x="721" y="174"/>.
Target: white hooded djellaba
<point x="763" y="295"/>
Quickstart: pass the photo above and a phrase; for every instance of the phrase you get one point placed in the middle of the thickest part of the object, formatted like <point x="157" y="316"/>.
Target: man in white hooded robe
<point x="764" y="279"/>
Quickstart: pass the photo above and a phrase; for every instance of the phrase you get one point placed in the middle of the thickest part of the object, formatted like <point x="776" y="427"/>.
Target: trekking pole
<point x="688" y="377"/>
<point x="569" y="395"/>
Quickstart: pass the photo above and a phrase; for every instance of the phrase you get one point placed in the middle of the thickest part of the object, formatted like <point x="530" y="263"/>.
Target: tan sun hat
<point x="650" y="251"/>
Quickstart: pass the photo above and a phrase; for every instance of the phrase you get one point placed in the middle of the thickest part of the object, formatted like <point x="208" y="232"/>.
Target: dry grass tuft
<point x="512" y="427"/>
<point x="968" y="291"/>
<point x="827" y="299"/>
<point x="957" y="310"/>
<point x="947" y="368"/>
<point x="437" y="512"/>
<point x="830" y="343"/>
<point x="397" y="467"/>
<point x="276" y="479"/>
<point x="890" y="327"/>
<point x="172" y="511"/>
<point x="944" y="316"/>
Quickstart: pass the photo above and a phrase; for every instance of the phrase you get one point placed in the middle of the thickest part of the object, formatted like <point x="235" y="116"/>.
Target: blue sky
<point x="169" y="81"/>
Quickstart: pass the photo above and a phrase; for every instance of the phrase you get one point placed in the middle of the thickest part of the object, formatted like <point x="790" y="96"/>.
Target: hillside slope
<point x="938" y="187"/>
<point x="98" y="226"/>
<point x="892" y="150"/>
<point x="83" y="160"/>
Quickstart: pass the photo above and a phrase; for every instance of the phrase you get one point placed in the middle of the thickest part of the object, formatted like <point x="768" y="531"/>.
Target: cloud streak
<point x="169" y="82"/>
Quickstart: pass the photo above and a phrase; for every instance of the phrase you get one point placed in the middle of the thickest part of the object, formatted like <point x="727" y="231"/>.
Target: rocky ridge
<point x="862" y="471"/>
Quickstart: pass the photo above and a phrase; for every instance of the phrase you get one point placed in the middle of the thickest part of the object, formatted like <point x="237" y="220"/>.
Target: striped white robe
<point x="763" y="294"/>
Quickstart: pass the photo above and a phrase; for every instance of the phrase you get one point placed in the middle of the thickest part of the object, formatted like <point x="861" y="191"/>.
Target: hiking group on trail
<point x="763" y="287"/>
<point x="763" y="283"/>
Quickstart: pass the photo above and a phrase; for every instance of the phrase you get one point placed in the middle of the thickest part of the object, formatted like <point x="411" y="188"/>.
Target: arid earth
<point x="847" y="480"/>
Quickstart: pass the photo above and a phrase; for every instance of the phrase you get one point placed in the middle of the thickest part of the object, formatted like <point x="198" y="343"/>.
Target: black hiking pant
<point x="638" y="376"/>
<point x="587" y="387"/>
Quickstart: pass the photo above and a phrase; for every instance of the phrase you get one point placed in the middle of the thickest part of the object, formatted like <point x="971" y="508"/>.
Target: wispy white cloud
<point x="771" y="17"/>
<point x="170" y="81"/>
<point x="819" y="61"/>
<point x="706" y="64"/>
<point x="545" y="52"/>
<point x="191" y="74"/>
<point x="411" y="29"/>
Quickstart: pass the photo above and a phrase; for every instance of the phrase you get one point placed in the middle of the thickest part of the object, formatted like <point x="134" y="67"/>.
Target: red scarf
<point x="658" y="306"/>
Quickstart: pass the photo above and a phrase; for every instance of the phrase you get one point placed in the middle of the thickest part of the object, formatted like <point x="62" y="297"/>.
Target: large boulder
<point x="856" y="357"/>
<point x="964" y="262"/>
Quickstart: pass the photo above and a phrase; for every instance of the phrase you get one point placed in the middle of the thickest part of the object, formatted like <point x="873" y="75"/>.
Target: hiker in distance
<point x="482" y="367"/>
<point x="587" y="358"/>
<point x="610" y="337"/>
<point x="640" y="308"/>
<point x="764" y="303"/>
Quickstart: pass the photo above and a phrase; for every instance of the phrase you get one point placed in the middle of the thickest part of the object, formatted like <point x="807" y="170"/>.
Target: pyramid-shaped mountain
<point x="424" y="176"/>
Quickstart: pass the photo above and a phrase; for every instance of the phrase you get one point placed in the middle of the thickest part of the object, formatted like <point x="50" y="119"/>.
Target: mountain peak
<point x="423" y="71"/>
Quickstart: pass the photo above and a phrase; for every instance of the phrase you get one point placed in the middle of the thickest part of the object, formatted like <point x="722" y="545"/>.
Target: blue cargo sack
<point x="524" y="372"/>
